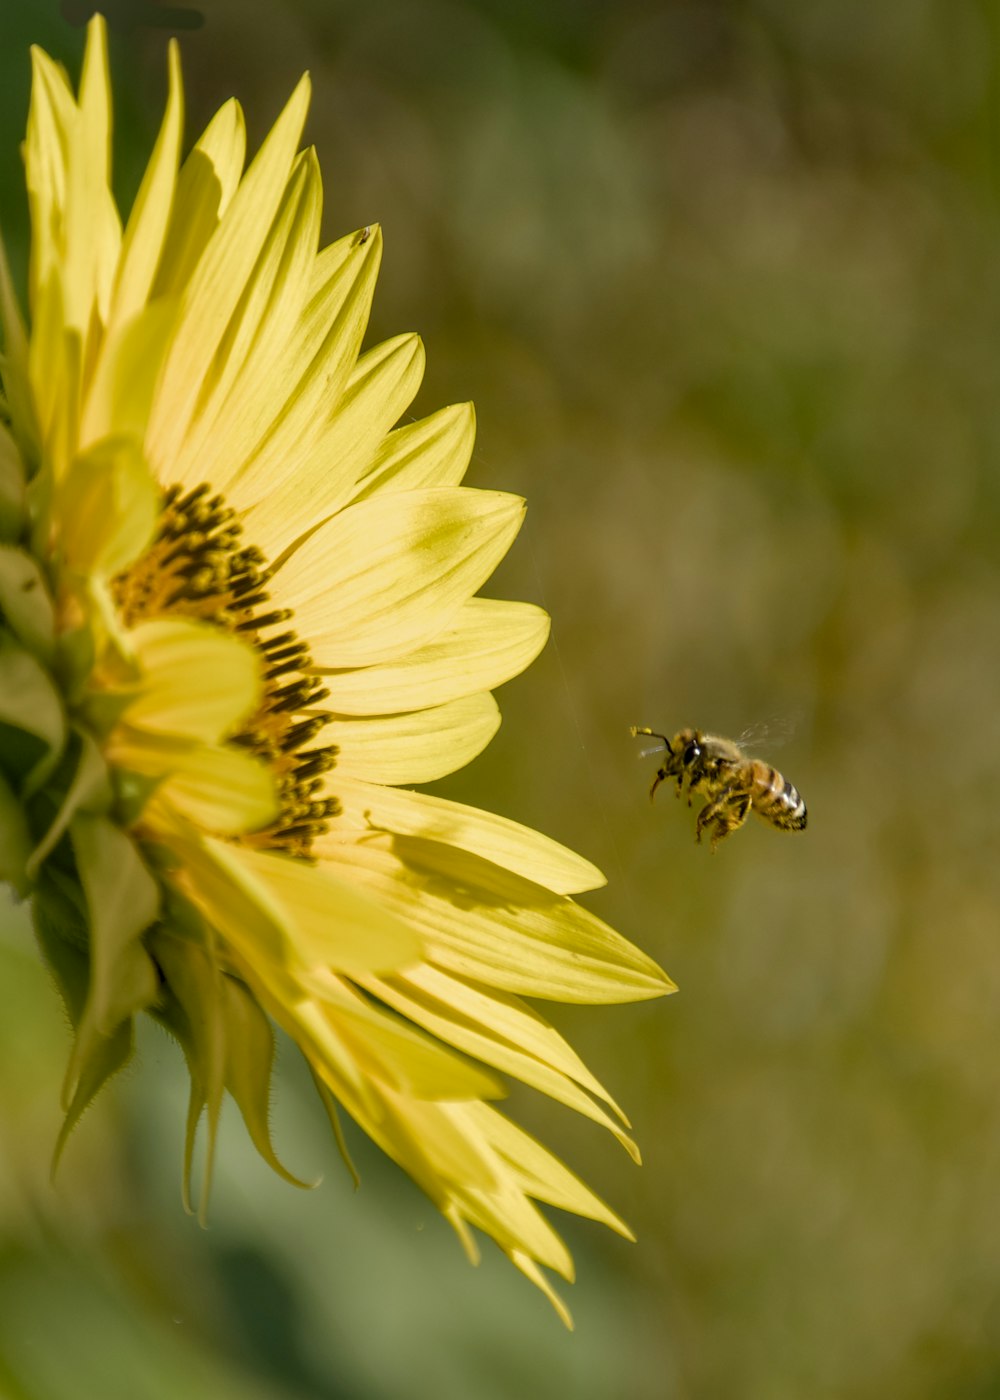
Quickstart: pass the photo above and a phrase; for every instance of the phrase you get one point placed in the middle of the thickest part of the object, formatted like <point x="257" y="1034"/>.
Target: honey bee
<point x="731" y="782"/>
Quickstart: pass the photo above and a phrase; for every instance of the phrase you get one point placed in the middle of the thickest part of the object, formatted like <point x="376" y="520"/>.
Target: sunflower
<point x="238" y="622"/>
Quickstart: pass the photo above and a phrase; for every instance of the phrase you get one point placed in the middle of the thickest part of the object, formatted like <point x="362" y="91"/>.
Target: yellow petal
<point x="207" y="181"/>
<point x="246" y="387"/>
<point x="381" y="387"/>
<point x="121" y="391"/>
<point x="321" y="356"/>
<point x="55" y="353"/>
<point x="463" y="1016"/>
<point x="505" y="1018"/>
<point x="507" y="843"/>
<point x="389" y="574"/>
<point x="534" y="1275"/>
<point x="218" y="281"/>
<point x="432" y="452"/>
<point x="328" y="921"/>
<point x="220" y="788"/>
<point x="106" y="508"/>
<point x="148" y="221"/>
<point x="486" y="644"/>
<point x="51" y="118"/>
<point x="503" y="1211"/>
<point x="539" y="1173"/>
<point x="425" y="1138"/>
<point x="488" y="925"/>
<point x="398" y="1054"/>
<point x="92" y="227"/>
<point x="418" y="747"/>
<point x="197" y="682"/>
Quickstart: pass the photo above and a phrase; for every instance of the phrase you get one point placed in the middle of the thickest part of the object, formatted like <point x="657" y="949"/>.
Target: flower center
<point x="198" y="567"/>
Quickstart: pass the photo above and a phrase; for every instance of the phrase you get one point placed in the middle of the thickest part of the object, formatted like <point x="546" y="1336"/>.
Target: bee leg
<point x="694" y="785"/>
<point x="661" y="776"/>
<point x="727" y="813"/>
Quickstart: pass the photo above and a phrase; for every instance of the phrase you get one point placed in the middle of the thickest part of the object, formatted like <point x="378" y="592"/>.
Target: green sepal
<point x="75" y="657"/>
<point x="102" y="710"/>
<point x="227" y="1042"/>
<point x="32" y="722"/>
<point x="69" y="964"/>
<point x="106" y="1056"/>
<point x="15" y="345"/>
<point x="249" y="1066"/>
<point x="330" y="1105"/>
<point x="24" y="599"/>
<point x="59" y="894"/>
<point x="38" y="495"/>
<point x="132" y="792"/>
<point x="12" y="490"/>
<point x="191" y="1010"/>
<point x="122" y="901"/>
<point x="87" y="788"/>
<point x="15" y="840"/>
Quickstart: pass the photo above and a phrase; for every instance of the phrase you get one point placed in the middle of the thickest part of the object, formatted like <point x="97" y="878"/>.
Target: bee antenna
<point x="635" y="730"/>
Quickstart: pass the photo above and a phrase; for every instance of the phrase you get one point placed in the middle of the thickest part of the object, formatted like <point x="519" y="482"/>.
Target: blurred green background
<point x="723" y="279"/>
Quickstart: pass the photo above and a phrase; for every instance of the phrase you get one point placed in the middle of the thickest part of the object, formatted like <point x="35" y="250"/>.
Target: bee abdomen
<point x="777" y="800"/>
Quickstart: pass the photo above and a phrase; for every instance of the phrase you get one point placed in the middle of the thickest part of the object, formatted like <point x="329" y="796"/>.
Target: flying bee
<point x="731" y="782"/>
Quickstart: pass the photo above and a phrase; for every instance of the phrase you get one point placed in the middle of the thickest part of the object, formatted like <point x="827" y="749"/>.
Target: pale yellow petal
<point x="318" y="1036"/>
<point x="207" y="181"/>
<point x="418" y="747"/>
<point x="55" y="355"/>
<point x="397" y="1053"/>
<point x="534" y="1275"/>
<point x="510" y="1218"/>
<point x="147" y="225"/>
<point x="365" y="806"/>
<point x="121" y="392"/>
<point x="92" y="226"/>
<point x="501" y="1016"/>
<point x="220" y="788"/>
<point x="426" y="1139"/>
<point x="505" y="1211"/>
<point x="434" y="451"/>
<point x="389" y="574"/>
<point x="486" y="644"/>
<point x="258" y="351"/>
<point x="491" y="926"/>
<point x="197" y="682"/>
<point x="51" y="118"/>
<point x="381" y="387"/>
<point x="461" y="1016"/>
<point x="320" y="358"/>
<point x="218" y="281"/>
<point x="539" y="1173"/>
<point x="105" y="508"/>
<point x="328" y="921"/>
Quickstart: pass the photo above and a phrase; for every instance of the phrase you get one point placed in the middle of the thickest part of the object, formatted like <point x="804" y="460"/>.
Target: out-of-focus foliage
<point x="724" y="282"/>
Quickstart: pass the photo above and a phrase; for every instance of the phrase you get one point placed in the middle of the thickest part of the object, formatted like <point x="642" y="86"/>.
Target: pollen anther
<point x="197" y="567"/>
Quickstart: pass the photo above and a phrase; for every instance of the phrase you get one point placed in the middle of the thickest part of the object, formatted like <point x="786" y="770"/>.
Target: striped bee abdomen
<point x="776" y="799"/>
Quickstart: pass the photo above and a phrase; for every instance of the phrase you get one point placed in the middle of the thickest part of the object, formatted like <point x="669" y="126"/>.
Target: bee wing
<point x="772" y="733"/>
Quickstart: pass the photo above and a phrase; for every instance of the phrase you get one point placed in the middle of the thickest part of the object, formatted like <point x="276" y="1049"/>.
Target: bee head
<point x="685" y="749"/>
